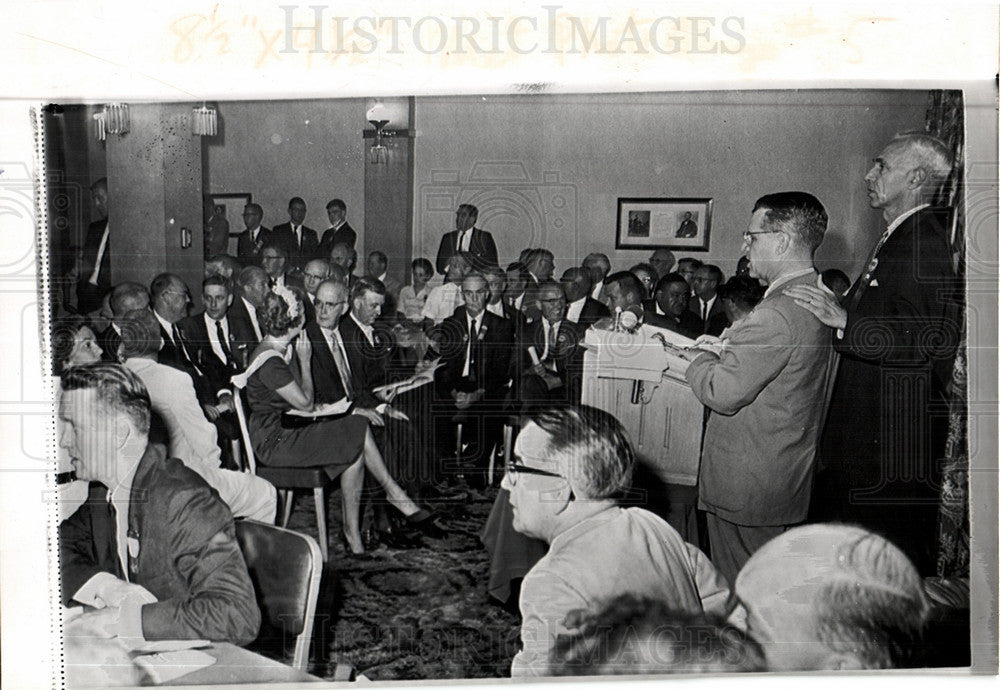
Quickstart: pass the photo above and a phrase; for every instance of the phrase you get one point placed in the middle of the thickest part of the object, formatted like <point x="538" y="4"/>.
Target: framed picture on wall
<point x="224" y="221"/>
<point x="651" y="223"/>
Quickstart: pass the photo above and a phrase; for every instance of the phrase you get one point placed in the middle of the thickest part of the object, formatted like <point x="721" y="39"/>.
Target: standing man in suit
<point x="582" y="309"/>
<point x="767" y="388"/>
<point x="251" y="241"/>
<point x="599" y="266"/>
<point x="467" y="238"/>
<point x="94" y="272"/>
<point x="154" y="548"/>
<point x="340" y="230"/>
<point x="687" y="228"/>
<point x="884" y="438"/>
<point x="301" y="242"/>
<point x="475" y="347"/>
<point x="550" y="359"/>
<point x="670" y="307"/>
<point x="705" y="303"/>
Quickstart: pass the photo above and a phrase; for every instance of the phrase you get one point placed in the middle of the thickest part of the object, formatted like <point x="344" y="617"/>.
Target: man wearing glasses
<point x="551" y="359"/>
<point x="570" y="465"/>
<point x="766" y="384"/>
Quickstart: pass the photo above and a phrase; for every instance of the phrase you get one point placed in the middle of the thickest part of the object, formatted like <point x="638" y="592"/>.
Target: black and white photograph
<point x="504" y="382"/>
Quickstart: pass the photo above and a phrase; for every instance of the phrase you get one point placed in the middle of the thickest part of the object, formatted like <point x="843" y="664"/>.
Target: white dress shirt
<point x="574" y="309"/>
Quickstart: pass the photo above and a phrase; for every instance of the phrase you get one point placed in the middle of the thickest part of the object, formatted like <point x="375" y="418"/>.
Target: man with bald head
<point x="124" y="298"/>
<point x="881" y="448"/>
<point x="582" y="309"/>
<point x="662" y="260"/>
<point x="833" y="597"/>
<point x="345" y="256"/>
<point x="570" y="466"/>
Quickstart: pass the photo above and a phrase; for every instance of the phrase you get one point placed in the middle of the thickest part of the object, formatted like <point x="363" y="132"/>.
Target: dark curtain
<point x="945" y="119"/>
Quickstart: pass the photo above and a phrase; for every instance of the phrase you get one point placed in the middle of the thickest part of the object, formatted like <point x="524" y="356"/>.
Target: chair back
<point x="285" y="567"/>
<point x="241" y="416"/>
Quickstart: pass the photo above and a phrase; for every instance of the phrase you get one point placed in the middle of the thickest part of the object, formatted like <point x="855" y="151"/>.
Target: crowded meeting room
<point x="454" y="387"/>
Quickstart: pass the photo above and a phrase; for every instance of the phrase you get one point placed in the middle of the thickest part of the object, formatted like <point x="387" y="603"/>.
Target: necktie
<point x="121" y="536"/>
<point x="342" y="367"/>
<point x="222" y="342"/>
<point x="271" y="283"/>
<point x="550" y="351"/>
<point x="461" y="239"/>
<point x="704" y="310"/>
<point x="865" y="278"/>
<point x="179" y="342"/>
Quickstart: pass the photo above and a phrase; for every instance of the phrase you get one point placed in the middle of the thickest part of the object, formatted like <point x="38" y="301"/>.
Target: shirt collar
<point x="903" y="216"/>
<point x="367" y="330"/>
<point x="167" y="326"/>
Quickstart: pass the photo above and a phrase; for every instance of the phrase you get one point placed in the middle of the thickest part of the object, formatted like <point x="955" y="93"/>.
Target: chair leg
<point x="236" y="448"/>
<point x="319" y="495"/>
<point x="508" y="440"/>
<point x="287" y="498"/>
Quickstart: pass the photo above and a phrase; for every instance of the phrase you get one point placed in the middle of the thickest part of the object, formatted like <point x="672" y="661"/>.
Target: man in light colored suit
<point x="766" y="387"/>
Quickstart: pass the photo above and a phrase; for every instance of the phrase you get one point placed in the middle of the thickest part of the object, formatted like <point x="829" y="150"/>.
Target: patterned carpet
<point x="409" y="614"/>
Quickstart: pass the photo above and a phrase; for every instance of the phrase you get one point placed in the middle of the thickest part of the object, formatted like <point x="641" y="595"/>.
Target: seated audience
<point x="739" y="296"/>
<point x="314" y="273"/>
<point x="671" y="299"/>
<point x="345" y="256"/>
<point x="253" y="286"/>
<point x="549" y="357"/>
<point x="582" y="309"/>
<point x="342" y="446"/>
<point x="192" y="438"/>
<point x="274" y="261"/>
<point x="662" y="260"/>
<point x="445" y="298"/>
<point x="171" y="300"/>
<point x="186" y="577"/>
<point x="475" y="347"/>
<point x="599" y="267"/>
<point x="377" y="267"/>
<point x="704" y="304"/>
<point x="124" y="298"/>
<point x="687" y="267"/>
<point x="833" y="597"/>
<point x="633" y="635"/>
<point x="647" y="276"/>
<point x="496" y="281"/>
<point x="570" y="466"/>
<point x="517" y="283"/>
<point x="412" y="297"/>
<point x="838" y="282"/>
<point x="340" y="231"/>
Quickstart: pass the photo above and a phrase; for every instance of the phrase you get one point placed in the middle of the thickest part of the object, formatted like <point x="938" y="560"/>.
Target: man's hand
<point x="211" y="411"/>
<point x="102" y="623"/>
<point x="373" y="417"/>
<point x="113" y="592"/>
<point x="821" y="303"/>
<point x="303" y="348"/>
<point x="393" y="413"/>
<point x="386" y="395"/>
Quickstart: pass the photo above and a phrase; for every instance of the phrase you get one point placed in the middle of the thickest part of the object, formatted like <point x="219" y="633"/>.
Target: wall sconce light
<point x="113" y="119"/>
<point x="205" y="121"/>
<point x="378" y="154"/>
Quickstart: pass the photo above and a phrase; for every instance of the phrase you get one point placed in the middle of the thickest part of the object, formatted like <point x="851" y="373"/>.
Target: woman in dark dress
<point x="343" y="446"/>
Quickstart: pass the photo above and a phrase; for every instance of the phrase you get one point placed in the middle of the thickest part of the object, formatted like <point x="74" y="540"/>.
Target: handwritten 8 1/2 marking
<point x="201" y="35"/>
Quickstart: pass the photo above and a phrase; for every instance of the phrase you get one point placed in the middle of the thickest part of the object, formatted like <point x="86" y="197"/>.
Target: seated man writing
<point x="154" y="547"/>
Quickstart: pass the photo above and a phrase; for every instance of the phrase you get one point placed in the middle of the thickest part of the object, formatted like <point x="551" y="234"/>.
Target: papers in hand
<point x="324" y="410"/>
<point x="709" y="343"/>
<point x="166" y="666"/>
<point x="424" y="375"/>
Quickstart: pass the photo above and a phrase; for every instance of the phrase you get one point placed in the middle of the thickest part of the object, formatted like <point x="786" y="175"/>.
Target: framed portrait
<point x="224" y="221"/>
<point x="651" y="223"/>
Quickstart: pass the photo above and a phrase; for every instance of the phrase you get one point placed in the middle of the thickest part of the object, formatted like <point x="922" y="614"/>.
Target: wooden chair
<point x="285" y="567"/>
<point x="287" y="479"/>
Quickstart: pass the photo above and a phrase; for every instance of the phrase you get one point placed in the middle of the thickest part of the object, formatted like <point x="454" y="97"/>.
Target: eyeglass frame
<point x="513" y="468"/>
<point x="748" y="236"/>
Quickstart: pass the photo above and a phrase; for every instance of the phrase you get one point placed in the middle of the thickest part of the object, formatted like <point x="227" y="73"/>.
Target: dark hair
<point x="716" y="272"/>
<point x="595" y="446"/>
<point x="630" y="634"/>
<point x="336" y="203"/>
<point x="667" y="280"/>
<point x="272" y="315"/>
<point x="218" y="281"/>
<point x="117" y="387"/>
<point x="296" y="200"/>
<point x="250" y="274"/>
<point x="64" y="332"/>
<point x="257" y="208"/>
<point x="473" y="211"/>
<point x="648" y="268"/>
<point x="367" y="284"/>
<point x="423" y="263"/>
<point x="800" y="214"/>
<point x="140" y="334"/>
<point x="627" y="283"/>
<point x="538" y="253"/>
<point x="694" y="263"/>
<point x="743" y="291"/>
<point x="519" y="268"/>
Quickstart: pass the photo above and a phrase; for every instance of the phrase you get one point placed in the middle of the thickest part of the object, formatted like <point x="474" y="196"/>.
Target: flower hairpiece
<point x="285" y="293"/>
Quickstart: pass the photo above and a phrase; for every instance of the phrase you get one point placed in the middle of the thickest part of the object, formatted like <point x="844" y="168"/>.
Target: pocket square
<point x="874" y="283"/>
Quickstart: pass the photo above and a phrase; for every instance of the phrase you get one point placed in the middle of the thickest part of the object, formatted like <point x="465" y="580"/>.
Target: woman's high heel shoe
<point x="426" y="523"/>
<point x="349" y="550"/>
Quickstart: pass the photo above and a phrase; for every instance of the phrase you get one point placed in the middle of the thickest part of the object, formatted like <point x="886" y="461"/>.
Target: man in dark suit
<point x="475" y="347"/>
<point x="339" y="231"/>
<point x="705" y="304"/>
<point x="124" y="298"/>
<point x="582" y="309"/>
<point x="301" y="242"/>
<point x="251" y="241"/>
<point x="377" y="266"/>
<point x="496" y="280"/>
<point x="274" y="261"/>
<point x="252" y="282"/>
<point x="881" y="448"/>
<point x="687" y="228"/>
<point x="346" y="257"/>
<point x="468" y="238"/>
<point x="670" y="307"/>
<point x="93" y="274"/>
<point x="549" y="357"/>
<point x="313" y="275"/>
<point x="169" y="567"/>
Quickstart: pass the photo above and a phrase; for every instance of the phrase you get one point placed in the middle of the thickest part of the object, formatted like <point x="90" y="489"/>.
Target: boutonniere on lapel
<point x="562" y="339"/>
<point x="482" y="332"/>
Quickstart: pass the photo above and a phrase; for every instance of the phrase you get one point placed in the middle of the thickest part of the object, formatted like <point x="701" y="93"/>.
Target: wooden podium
<point x="640" y="380"/>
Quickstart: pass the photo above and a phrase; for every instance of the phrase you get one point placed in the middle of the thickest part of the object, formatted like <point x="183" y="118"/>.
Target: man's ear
<point x="562" y="497"/>
<point x="123" y="430"/>
<point x="916" y="178"/>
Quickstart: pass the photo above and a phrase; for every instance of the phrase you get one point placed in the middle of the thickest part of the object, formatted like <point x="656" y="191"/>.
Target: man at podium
<point x="765" y="384"/>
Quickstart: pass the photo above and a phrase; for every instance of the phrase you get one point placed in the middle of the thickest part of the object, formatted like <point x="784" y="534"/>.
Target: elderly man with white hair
<point x="570" y="465"/>
<point x="833" y="597"/>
